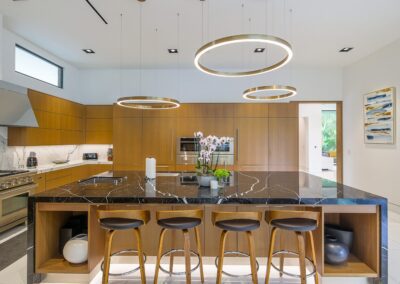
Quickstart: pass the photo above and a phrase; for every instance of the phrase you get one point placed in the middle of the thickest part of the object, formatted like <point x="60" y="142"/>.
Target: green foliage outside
<point x="328" y="131"/>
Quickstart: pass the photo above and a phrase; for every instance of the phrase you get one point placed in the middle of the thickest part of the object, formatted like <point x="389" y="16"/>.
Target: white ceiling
<point x="317" y="29"/>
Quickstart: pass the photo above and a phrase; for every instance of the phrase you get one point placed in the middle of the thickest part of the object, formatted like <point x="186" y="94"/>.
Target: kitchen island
<point x="362" y="212"/>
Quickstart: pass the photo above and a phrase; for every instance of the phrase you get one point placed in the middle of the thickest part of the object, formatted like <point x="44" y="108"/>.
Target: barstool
<point x="237" y="222"/>
<point x="118" y="220"/>
<point x="180" y="220"/>
<point x="299" y="222"/>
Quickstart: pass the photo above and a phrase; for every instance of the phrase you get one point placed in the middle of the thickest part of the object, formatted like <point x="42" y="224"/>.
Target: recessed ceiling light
<point x="88" y="51"/>
<point x="346" y="49"/>
<point x="172" y="50"/>
<point x="259" y="50"/>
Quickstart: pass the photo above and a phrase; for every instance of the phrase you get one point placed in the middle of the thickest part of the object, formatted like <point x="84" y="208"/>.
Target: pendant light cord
<point x="120" y="57"/>
<point x="140" y="47"/>
<point x="178" y="63"/>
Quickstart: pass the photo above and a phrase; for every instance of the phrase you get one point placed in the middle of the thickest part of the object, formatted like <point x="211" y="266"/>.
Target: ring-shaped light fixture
<point x="145" y="102"/>
<point x="260" y="38"/>
<point x="251" y="94"/>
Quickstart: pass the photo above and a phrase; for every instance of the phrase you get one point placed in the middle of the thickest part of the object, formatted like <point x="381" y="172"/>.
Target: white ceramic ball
<point x="76" y="250"/>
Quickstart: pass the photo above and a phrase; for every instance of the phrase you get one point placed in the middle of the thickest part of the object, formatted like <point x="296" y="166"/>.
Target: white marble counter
<point x="54" y="167"/>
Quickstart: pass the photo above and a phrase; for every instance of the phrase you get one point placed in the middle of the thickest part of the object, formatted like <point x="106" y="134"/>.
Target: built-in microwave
<point x="187" y="149"/>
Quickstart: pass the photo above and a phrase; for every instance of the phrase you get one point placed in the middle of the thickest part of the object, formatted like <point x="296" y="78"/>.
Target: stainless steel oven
<point x="14" y="193"/>
<point x="187" y="148"/>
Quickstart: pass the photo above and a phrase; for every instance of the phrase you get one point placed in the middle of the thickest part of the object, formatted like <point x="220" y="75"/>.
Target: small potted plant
<point x="222" y="176"/>
<point x="206" y="162"/>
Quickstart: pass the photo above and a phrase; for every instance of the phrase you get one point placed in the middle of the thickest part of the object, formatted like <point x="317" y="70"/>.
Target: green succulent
<point x="221" y="174"/>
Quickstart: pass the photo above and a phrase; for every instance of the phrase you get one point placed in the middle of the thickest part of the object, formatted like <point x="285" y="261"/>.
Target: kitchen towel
<point x="150" y="168"/>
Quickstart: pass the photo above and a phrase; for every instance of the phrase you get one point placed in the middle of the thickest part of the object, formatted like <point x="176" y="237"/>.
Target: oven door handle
<point x="17" y="191"/>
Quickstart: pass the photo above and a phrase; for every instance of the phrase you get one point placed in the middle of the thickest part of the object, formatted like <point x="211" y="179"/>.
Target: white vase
<point x="204" y="181"/>
<point x="76" y="249"/>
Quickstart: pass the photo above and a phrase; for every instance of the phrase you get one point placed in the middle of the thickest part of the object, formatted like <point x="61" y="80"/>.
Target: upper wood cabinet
<point x="251" y="110"/>
<point x="159" y="139"/>
<point x="251" y="143"/>
<point x="206" y="110"/>
<point x="99" y="124"/>
<point x="61" y="122"/>
<point x="284" y="110"/>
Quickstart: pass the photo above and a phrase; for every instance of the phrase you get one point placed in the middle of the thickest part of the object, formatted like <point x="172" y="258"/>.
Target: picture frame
<point x="379" y="110"/>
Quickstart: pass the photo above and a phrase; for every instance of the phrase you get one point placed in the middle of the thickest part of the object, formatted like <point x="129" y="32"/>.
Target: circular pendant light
<point x="244" y="38"/>
<point x="253" y="93"/>
<point x="145" y="102"/>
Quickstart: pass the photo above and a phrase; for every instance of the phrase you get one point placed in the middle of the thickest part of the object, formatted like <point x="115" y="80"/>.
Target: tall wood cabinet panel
<point x="284" y="110"/>
<point x="99" y="124"/>
<point x="220" y="126"/>
<point x="251" y="110"/>
<point x="127" y="133"/>
<point x="159" y="140"/>
<point x="251" y="143"/>
<point x="206" y="110"/>
<point x="283" y="136"/>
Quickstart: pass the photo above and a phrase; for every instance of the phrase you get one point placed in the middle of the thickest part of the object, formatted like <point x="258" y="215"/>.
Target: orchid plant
<point x="207" y="146"/>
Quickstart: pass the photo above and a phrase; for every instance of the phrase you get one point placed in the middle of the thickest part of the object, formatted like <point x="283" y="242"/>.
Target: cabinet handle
<point x="237" y="144"/>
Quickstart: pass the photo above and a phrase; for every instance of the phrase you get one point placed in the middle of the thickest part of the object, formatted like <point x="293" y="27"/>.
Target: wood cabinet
<point x="61" y="122"/>
<point x="159" y="140"/>
<point x="127" y="133"/>
<point x="283" y="154"/>
<point x="40" y="180"/>
<point x="251" y="110"/>
<point x="251" y="143"/>
<point x="99" y="124"/>
<point x="57" y="178"/>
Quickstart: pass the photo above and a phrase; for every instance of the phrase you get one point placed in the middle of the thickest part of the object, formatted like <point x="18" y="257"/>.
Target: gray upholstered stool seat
<point x="295" y="224"/>
<point x="179" y="223"/>
<point x="238" y="225"/>
<point x="120" y="223"/>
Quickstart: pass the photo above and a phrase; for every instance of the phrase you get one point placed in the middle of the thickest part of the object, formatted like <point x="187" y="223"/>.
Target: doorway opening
<point x="319" y="139"/>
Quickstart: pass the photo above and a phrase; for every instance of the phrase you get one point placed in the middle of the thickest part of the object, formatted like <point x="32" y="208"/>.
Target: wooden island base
<point x="364" y="220"/>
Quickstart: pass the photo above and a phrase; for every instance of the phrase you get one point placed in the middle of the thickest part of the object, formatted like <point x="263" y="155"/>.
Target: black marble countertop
<point x="244" y="188"/>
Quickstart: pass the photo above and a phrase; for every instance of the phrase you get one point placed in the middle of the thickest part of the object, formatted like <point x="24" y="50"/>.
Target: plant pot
<point x="204" y="181"/>
<point x="336" y="252"/>
<point x="343" y="236"/>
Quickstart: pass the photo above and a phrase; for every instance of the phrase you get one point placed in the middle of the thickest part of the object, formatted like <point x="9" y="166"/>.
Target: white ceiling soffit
<point x="317" y="29"/>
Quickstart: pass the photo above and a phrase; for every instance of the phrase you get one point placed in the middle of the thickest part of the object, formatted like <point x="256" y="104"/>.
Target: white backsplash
<point x="15" y="157"/>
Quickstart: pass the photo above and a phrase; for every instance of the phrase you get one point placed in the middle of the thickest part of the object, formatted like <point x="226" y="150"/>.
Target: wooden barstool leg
<point x="314" y="258"/>
<point x="160" y="247"/>
<point x="171" y="255"/>
<point x="281" y="256"/>
<point x="198" y="244"/>
<point x="221" y="256"/>
<point x="140" y="255"/>
<point x="186" y="246"/>
<point x="107" y="255"/>
<point x="271" y="251"/>
<point x="252" y="253"/>
<point x="302" y="256"/>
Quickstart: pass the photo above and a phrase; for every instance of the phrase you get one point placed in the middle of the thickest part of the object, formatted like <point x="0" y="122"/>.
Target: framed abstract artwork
<point x="379" y="116"/>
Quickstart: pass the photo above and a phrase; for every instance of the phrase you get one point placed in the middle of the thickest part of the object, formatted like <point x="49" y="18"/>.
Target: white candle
<point x="214" y="184"/>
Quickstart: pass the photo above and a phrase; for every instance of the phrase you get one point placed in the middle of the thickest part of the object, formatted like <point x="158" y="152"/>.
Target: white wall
<point x="7" y="63"/>
<point x="313" y="113"/>
<point x="374" y="168"/>
<point x="103" y="86"/>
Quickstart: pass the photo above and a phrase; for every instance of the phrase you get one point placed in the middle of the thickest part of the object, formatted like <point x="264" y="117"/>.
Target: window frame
<point x="59" y="67"/>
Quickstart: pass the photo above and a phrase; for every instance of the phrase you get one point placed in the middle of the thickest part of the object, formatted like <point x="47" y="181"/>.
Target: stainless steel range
<point x="15" y="188"/>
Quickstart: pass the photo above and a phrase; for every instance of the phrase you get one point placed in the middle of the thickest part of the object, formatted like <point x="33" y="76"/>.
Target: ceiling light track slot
<point x="97" y="12"/>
